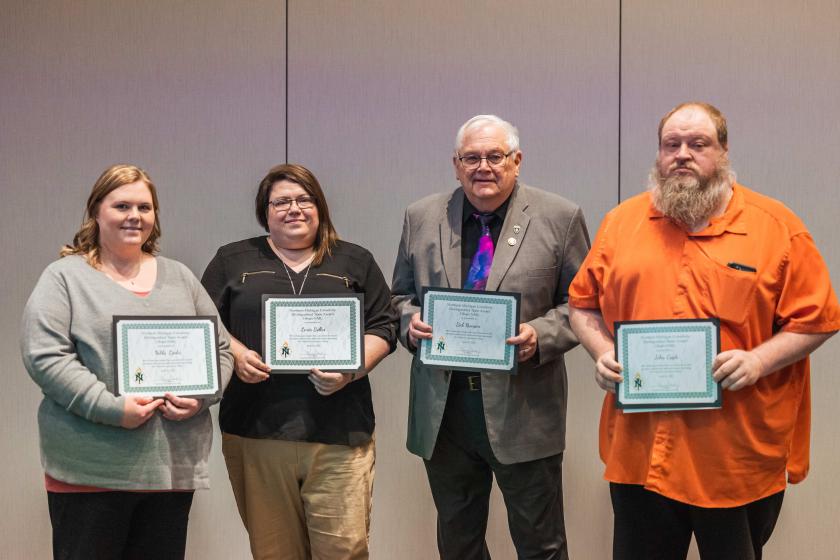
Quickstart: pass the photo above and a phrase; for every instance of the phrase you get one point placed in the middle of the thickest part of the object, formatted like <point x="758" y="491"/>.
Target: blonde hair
<point x="86" y="240"/>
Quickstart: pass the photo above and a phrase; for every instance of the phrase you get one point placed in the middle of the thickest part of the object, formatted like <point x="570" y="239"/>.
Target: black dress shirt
<point x="286" y="406"/>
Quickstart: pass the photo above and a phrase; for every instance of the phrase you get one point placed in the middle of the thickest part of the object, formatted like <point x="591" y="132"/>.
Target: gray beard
<point x="688" y="200"/>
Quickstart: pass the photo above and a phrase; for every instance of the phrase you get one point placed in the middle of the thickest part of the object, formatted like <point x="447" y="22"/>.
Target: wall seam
<point x="286" y="86"/>
<point x="619" y="99"/>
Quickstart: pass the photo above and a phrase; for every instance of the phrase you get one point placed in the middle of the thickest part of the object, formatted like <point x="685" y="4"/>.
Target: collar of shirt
<point x="469" y="210"/>
<point x="732" y="220"/>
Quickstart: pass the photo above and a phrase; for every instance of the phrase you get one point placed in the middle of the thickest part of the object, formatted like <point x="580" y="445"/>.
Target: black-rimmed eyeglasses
<point x="284" y="204"/>
<point x="472" y="161"/>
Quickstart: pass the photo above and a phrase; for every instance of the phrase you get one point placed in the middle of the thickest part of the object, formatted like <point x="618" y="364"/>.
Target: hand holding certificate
<point x="158" y="355"/>
<point x="469" y="329"/>
<point x="667" y="365"/>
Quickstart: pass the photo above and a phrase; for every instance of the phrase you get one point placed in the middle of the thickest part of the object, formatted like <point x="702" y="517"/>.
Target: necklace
<point x="289" y="276"/>
<point x="118" y="277"/>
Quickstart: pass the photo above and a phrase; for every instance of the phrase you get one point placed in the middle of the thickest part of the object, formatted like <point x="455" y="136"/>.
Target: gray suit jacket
<point x="525" y="413"/>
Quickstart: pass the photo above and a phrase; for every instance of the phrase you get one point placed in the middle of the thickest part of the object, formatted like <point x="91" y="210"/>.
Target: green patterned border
<point x="352" y="303"/>
<point x="507" y="361"/>
<point x="626" y="331"/>
<point x="125" y="372"/>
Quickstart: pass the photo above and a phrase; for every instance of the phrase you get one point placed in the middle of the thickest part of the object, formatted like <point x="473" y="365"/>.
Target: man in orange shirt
<point x="699" y="245"/>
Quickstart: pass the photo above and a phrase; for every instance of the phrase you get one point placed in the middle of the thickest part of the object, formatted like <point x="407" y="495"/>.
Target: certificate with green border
<point x="321" y="331"/>
<point x="154" y="355"/>
<point x="667" y="365"/>
<point x="469" y="329"/>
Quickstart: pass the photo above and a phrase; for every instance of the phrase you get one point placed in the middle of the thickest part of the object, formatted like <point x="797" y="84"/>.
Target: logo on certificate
<point x="637" y="381"/>
<point x="284" y="350"/>
<point x="138" y="375"/>
<point x="441" y="344"/>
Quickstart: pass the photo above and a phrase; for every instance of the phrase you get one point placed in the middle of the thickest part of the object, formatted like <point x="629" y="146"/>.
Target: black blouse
<point x="286" y="406"/>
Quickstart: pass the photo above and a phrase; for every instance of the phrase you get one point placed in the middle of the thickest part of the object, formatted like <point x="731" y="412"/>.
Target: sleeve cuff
<point x="588" y="302"/>
<point x="112" y="414"/>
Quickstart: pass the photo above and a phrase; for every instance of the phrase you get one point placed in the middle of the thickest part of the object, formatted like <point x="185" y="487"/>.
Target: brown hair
<point x="714" y="113"/>
<point x="86" y="240"/>
<point x="326" y="237"/>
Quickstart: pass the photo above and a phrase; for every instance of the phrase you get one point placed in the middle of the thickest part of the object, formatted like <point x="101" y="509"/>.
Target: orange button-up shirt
<point x="643" y="267"/>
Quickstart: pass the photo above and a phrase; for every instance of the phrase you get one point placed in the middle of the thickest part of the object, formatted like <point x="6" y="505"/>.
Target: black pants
<point x="649" y="526"/>
<point x="119" y="525"/>
<point x="461" y="475"/>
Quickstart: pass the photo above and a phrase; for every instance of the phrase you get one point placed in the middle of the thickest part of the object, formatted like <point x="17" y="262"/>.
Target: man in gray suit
<point x="469" y="427"/>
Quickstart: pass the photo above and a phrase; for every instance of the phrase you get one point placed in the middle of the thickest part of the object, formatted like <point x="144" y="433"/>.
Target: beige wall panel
<point x="377" y="90"/>
<point x="773" y="67"/>
<point x="193" y="92"/>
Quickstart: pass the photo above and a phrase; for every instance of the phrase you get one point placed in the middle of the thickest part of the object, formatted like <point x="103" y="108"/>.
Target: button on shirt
<point x="757" y="269"/>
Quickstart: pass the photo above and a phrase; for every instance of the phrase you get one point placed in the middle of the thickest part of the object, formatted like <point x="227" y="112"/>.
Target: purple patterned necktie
<point x="483" y="258"/>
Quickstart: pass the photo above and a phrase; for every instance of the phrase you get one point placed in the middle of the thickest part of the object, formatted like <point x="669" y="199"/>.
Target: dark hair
<point x="326" y="238"/>
<point x="714" y="113"/>
<point x="86" y="240"/>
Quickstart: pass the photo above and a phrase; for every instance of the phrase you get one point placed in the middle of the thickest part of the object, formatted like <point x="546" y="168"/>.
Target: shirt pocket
<point x="338" y="283"/>
<point x="256" y="275"/>
<point x="731" y="292"/>
<point x="346" y="280"/>
<point x="541" y="272"/>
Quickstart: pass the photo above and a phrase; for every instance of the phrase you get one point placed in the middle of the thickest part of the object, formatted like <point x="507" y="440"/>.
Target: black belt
<point x="465" y="381"/>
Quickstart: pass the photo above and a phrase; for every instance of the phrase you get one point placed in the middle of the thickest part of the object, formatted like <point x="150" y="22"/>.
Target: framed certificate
<point x="667" y="365"/>
<point x="469" y="329"/>
<point x="166" y="354"/>
<point x="313" y="331"/>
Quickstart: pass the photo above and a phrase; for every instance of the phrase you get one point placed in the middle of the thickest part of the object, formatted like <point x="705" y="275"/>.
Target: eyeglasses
<point x="473" y="161"/>
<point x="284" y="204"/>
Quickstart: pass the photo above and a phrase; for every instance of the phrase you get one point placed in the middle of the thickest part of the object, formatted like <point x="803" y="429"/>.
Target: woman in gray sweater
<point x="120" y="471"/>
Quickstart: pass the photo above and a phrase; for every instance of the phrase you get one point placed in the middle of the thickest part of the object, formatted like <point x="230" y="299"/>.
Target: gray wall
<point x="195" y="92"/>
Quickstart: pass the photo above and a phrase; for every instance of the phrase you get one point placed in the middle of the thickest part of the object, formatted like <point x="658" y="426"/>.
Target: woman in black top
<point x="299" y="448"/>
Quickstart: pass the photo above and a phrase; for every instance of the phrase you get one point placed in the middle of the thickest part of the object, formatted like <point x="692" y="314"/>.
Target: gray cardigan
<point x="67" y="348"/>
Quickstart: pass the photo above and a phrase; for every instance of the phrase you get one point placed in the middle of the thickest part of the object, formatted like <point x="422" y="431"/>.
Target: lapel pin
<point x="517" y="229"/>
<point x="511" y="241"/>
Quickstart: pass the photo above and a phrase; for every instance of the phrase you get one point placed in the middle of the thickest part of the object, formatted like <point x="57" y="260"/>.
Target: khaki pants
<point x="302" y="500"/>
